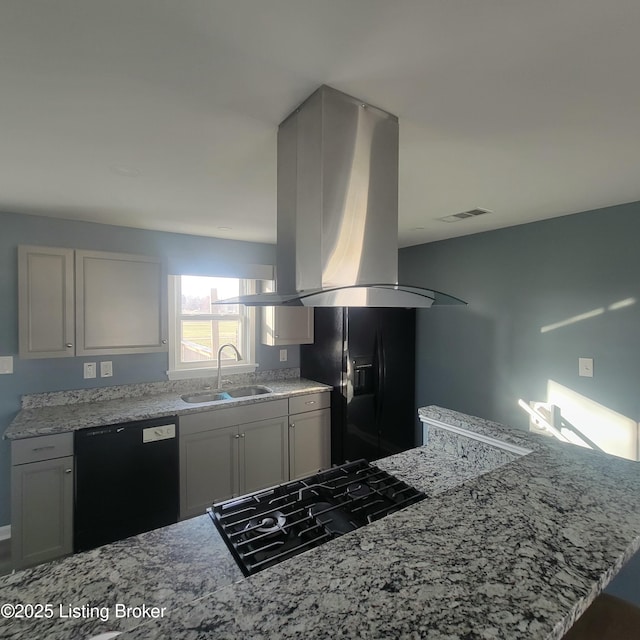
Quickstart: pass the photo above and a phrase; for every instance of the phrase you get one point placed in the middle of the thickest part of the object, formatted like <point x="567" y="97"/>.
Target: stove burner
<point x="268" y="526"/>
<point x="332" y="518"/>
<point x="359" y="490"/>
<point x="266" y="523"/>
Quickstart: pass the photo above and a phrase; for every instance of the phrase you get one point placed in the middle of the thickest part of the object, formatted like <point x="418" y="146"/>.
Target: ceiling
<point x="163" y="115"/>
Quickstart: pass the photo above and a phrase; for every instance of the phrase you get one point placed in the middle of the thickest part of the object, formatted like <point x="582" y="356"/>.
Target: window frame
<point x="179" y="370"/>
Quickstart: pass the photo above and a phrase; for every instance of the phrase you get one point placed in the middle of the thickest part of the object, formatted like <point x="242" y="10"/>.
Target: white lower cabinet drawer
<point x="309" y="402"/>
<point x="41" y="448"/>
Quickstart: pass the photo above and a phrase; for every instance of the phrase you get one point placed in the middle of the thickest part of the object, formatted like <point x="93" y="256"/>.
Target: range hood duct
<point x="338" y="209"/>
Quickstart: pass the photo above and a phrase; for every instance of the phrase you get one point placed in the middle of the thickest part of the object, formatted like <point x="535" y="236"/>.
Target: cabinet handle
<point x="67" y="470"/>
<point x="242" y="435"/>
<point x="236" y="436"/>
<point x="164" y="342"/>
<point x="310" y="402"/>
<point x="69" y="345"/>
<point x="51" y="446"/>
<point x="292" y="425"/>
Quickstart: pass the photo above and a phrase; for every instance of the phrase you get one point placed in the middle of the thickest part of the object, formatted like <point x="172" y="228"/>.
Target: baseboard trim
<point x="5" y="532"/>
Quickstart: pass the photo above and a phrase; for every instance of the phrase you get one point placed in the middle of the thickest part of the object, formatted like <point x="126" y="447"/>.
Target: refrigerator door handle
<point x="348" y="379"/>
<point x="379" y="369"/>
<point x="382" y="376"/>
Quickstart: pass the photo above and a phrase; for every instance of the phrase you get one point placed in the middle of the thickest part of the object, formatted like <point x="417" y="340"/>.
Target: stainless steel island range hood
<point x="338" y="209"/>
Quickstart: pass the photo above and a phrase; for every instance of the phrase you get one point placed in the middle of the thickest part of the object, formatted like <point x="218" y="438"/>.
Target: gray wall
<point x="184" y="254"/>
<point x="626" y="584"/>
<point x="482" y="358"/>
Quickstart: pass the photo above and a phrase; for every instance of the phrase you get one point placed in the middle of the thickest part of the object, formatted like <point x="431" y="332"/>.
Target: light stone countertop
<point x="162" y="568"/>
<point x="173" y="566"/>
<point x="60" y="418"/>
<point x="505" y="547"/>
<point x="516" y="552"/>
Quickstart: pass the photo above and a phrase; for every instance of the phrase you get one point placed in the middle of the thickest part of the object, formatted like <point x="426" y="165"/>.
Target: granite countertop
<point x="516" y="552"/>
<point x="163" y="567"/>
<point x="508" y="546"/>
<point x="60" y="418"/>
<point x="170" y="567"/>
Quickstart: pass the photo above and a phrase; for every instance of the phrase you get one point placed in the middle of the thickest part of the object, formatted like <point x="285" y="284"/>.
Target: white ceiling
<point x="529" y="109"/>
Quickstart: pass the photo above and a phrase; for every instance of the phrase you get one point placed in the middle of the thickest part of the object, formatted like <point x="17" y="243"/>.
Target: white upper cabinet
<point x="120" y="304"/>
<point x="115" y="304"/>
<point x="285" y="325"/>
<point x="45" y="309"/>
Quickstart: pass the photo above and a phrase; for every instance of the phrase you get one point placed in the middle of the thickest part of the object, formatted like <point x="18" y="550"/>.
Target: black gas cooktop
<point x="266" y="527"/>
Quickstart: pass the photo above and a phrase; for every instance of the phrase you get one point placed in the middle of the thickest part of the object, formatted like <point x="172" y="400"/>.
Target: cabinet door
<point x="45" y="309"/>
<point x="208" y="469"/>
<point x="309" y="443"/>
<point x="264" y="457"/>
<point x="120" y="304"/>
<point x="41" y="511"/>
<point x="287" y="325"/>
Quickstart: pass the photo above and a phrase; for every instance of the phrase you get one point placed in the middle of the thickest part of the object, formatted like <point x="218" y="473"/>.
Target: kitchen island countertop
<point x="169" y="567"/>
<point x="163" y="568"/>
<point x="507" y="546"/>
<point x="516" y="552"/>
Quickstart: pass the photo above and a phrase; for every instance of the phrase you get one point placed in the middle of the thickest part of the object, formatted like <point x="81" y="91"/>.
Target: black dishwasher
<point x="126" y="480"/>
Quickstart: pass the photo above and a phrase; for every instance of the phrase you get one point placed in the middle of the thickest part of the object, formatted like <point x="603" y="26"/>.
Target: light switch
<point x="283" y="355"/>
<point x="585" y="367"/>
<point x="106" y="369"/>
<point x="6" y="364"/>
<point x="89" y="369"/>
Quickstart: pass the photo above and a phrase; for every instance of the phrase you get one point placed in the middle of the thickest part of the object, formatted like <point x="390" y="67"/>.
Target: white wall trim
<point x="494" y="442"/>
<point x="5" y="532"/>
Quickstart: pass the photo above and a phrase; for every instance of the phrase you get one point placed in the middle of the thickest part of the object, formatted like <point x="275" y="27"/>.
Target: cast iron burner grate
<point x="266" y="527"/>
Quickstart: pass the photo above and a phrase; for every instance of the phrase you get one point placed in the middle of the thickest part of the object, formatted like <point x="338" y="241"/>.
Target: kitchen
<point x="525" y="277"/>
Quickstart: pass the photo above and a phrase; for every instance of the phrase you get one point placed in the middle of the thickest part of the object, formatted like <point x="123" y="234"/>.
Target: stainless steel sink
<point x="205" y="396"/>
<point x="234" y="392"/>
<point x="249" y="390"/>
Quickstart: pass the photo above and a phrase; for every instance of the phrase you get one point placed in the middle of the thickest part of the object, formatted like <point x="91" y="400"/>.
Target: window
<point x="198" y="328"/>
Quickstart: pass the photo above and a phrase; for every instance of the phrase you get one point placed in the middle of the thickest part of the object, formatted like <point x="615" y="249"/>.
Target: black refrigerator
<point x="368" y="356"/>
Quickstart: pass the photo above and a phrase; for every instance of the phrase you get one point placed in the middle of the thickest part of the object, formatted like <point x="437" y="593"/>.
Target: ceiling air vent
<point x="472" y="213"/>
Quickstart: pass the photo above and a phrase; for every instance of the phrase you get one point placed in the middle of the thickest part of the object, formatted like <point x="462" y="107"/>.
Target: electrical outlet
<point x="6" y="364"/>
<point x="106" y="369"/>
<point x="89" y="369"/>
<point x="283" y="355"/>
<point x="585" y="367"/>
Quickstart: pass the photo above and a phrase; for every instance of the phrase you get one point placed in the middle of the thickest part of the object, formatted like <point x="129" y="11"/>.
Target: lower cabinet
<point x="309" y="443"/>
<point x="264" y="454"/>
<point x="226" y="453"/>
<point x="208" y="468"/>
<point x="41" y="499"/>
<point x="229" y="452"/>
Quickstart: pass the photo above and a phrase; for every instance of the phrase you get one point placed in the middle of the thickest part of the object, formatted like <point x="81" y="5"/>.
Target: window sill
<point x="210" y="372"/>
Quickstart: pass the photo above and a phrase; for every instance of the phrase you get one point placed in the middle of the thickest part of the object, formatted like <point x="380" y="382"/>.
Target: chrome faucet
<point x="238" y="357"/>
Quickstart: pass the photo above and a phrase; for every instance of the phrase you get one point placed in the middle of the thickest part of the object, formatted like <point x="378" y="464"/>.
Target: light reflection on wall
<point x="611" y="431"/>
<point x="614" y="306"/>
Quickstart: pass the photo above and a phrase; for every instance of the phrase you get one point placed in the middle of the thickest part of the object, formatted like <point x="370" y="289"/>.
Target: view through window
<point x="203" y="327"/>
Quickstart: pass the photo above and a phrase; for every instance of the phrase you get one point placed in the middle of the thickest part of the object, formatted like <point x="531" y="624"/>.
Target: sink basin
<point x="205" y="396"/>
<point x="249" y="390"/>
<point x="227" y="394"/>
